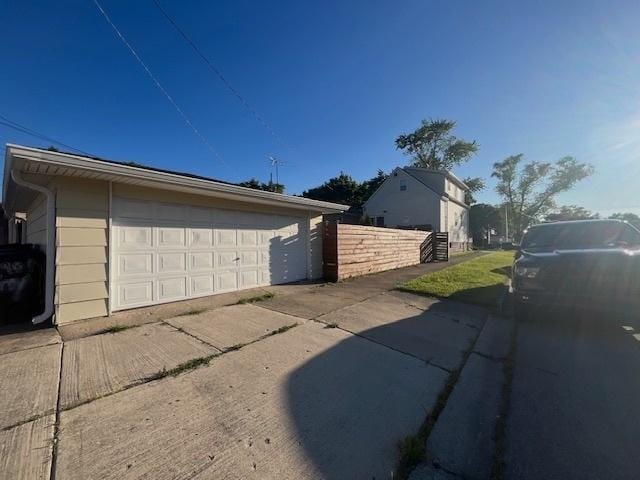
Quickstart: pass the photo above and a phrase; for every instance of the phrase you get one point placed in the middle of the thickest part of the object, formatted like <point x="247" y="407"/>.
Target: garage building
<point x="120" y="236"/>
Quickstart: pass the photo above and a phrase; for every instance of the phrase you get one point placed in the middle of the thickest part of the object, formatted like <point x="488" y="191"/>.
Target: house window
<point x="379" y="221"/>
<point x="403" y="185"/>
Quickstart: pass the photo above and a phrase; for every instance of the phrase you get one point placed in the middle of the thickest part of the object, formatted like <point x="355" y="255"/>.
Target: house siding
<point x="458" y="223"/>
<point x="82" y="210"/>
<point x="36" y="222"/>
<point x="417" y="205"/>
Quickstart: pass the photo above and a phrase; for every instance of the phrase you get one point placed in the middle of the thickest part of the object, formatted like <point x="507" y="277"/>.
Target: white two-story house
<point x="425" y="199"/>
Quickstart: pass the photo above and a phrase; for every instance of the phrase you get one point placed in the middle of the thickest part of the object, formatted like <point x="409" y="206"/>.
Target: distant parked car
<point x="586" y="262"/>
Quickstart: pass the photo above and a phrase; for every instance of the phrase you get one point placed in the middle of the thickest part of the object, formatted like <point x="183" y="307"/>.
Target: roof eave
<point x="128" y="174"/>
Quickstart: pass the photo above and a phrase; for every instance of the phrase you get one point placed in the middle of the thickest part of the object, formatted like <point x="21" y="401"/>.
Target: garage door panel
<point x="264" y="276"/>
<point x="226" y="259"/>
<point x="132" y="294"/>
<point x="201" y="260"/>
<point x="172" y="288"/>
<point x="226" y="281"/>
<point x="165" y="252"/>
<point x="248" y="258"/>
<point x="201" y="238"/>
<point x="226" y="237"/>
<point x="171" y="237"/>
<point x="247" y="238"/>
<point x="202" y="284"/>
<point x="135" y="264"/>
<point x="135" y="237"/>
<point x="248" y="278"/>
<point x="171" y="262"/>
<point x="265" y="237"/>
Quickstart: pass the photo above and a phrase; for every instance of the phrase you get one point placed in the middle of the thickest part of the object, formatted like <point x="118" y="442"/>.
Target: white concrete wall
<point x="417" y="205"/>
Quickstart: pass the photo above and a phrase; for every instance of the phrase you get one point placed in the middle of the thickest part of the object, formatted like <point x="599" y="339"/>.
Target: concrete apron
<point x="309" y="403"/>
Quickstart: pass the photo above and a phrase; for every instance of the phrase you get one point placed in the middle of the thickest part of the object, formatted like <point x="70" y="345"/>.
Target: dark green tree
<point x="344" y="189"/>
<point x="432" y="145"/>
<point x="570" y="212"/>
<point x="258" y="185"/>
<point x="529" y="190"/>
<point x="628" y="216"/>
<point x="341" y="189"/>
<point x="482" y="218"/>
<point x="475" y="184"/>
<point x="369" y="186"/>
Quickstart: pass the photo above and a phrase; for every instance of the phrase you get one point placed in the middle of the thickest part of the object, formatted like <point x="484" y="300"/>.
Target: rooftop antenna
<point x="275" y="162"/>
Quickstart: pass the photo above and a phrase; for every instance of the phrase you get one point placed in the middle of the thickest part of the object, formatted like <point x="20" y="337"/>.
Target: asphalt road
<point x="575" y="398"/>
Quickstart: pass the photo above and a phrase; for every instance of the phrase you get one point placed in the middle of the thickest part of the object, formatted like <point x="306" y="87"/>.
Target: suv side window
<point x="629" y="235"/>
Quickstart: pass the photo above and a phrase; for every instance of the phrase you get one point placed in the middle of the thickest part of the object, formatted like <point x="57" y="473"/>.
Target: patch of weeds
<point x="195" y="311"/>
<point x="331" y="325"/>
<point x="412" y="451"/>
<point x="280" y="330"/>
<point x="115" y="329"/>
<point x="257" y="298"/>
<point x="183" y="367"/>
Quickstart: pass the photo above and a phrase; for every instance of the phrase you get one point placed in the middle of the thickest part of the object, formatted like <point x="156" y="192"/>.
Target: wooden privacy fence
<point x="354" y="250"/>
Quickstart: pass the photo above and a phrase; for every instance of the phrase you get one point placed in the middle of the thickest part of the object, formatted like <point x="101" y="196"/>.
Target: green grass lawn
<point x="481" y="280"/>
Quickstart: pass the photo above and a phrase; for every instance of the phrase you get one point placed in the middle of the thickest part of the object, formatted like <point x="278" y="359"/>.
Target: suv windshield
<point x="581" y="235"/>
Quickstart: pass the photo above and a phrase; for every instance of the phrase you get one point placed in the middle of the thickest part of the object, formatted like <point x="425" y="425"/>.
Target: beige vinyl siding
<point x="36" y="223"/>
<point x="82" y="212"/>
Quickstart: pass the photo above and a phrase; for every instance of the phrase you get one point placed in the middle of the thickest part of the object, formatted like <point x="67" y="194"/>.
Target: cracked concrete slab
<point x="307" y="305"/>
<point x="308" y="403"/>
<point x="462" y="440"/>
<point x="495" y="338"/>
<point x="235" y="325"/>
<point x="102" y="364"/>
<point x="29" y="380"/>
<point x="26" y="450"/>
<point x="14" y="338"/>
<point x="437" y="337"/>
<point x="154" y="314"/>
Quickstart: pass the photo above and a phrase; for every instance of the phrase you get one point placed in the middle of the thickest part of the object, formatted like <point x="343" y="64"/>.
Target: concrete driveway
<point x="316" y="382"/>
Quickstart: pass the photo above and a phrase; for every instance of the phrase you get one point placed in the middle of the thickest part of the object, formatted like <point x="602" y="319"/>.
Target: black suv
<point x="583" y="262"/>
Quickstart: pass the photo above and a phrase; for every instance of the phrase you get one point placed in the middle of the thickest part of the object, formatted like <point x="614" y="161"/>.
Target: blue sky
<point x="337" y="82"/>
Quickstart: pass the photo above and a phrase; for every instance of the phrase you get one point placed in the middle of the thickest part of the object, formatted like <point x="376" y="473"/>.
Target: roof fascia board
<point x="128" y="171"/>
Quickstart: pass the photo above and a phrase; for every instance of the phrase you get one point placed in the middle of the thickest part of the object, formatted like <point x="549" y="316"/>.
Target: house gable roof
<point x="416" y="173"/>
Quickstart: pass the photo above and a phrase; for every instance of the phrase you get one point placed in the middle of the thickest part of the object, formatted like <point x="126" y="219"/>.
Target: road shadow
<point x="352" y="403"/>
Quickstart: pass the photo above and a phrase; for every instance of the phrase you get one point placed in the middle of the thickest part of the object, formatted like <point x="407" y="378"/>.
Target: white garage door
<point x="166" y="252"/>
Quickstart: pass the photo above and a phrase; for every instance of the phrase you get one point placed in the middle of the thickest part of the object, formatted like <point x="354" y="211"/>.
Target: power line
<point x="158" y="84"/>
<point x="219" y="74"/>
<point x="26" y="130"/>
